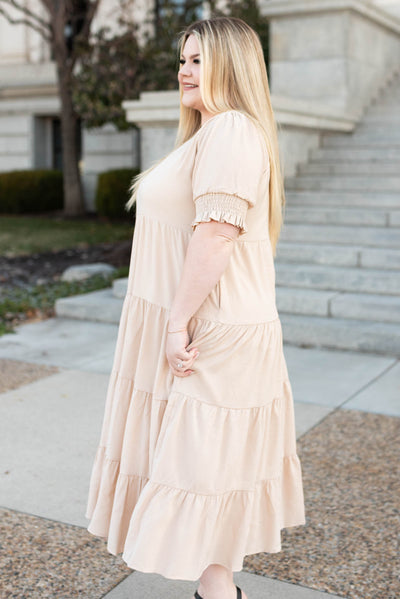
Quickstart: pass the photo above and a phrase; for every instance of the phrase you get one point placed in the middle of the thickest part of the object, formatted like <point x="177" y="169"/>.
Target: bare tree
<point x="66" y="23"/>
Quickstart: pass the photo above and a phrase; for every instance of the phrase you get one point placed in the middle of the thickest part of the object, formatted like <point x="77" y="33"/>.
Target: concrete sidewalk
<point x="49" y="431"/>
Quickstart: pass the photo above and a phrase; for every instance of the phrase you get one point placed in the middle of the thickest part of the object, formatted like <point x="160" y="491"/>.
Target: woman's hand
<point x="177" y="354"/>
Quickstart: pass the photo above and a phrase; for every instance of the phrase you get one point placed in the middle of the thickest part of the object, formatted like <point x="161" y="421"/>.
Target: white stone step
<point x="337" y="255"/>
<point x="99" y="306"/>
<point x="341" y="216"/>
<point x="379" y="110"/>
<point x="388" y="104"/>
<point x="350" y="140"/>
<point x="359" y="306"/>
<point x="336" y="278"/>
<point x="343" y="334"/>
<point x="120" y="287"/>
<point x="344" y="183"/>
<point x="382" y="237"/>
<point x="349" y="199"/>
<point x="369" y="167"/>
<point x="384" y="117"/>
<point x="388" y="131"/>
<point x="355" y="155"/>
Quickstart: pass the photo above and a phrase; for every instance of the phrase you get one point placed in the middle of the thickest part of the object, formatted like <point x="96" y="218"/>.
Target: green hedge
<point x="113" y="192"/>
<point x="31" y="191"/>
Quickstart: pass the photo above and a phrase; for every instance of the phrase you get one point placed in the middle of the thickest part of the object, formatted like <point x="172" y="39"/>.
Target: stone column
<point x="340" y="53"/>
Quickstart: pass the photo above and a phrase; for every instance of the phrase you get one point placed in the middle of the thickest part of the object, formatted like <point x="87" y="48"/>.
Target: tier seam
<point x="231" y="324"/>
<point x="161" y="484"/>
<point x="229" y="491"/>
<point x="172" y="391"/>
<point x="125" y="378"/>
<point x="278" y="398"/>
<point x="190" y="233"/>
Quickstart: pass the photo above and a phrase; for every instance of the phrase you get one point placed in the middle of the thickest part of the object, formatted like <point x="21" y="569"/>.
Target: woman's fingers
<point x="185" y="369"/>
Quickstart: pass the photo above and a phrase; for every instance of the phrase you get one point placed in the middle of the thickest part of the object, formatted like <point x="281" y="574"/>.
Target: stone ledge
<point x="161" y="109"/>
<point x="283" y="8"/>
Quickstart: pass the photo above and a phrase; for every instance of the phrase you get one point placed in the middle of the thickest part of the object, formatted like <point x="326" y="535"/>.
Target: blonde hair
<point x="233" y="76"/>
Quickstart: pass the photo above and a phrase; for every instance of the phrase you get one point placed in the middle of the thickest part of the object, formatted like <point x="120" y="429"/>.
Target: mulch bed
<point x="44" y="267"/>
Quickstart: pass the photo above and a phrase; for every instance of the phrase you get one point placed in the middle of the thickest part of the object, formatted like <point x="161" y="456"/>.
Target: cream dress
<point x="202" y="469"/>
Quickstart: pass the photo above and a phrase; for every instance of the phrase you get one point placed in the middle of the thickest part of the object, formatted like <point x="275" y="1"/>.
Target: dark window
<point x="57" y="143"/>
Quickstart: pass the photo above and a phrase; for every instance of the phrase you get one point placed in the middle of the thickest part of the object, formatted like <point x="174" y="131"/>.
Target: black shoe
<point x="239" y="594"/>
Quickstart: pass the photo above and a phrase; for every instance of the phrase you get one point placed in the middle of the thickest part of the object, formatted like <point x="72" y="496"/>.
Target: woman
<point x="197" y="464"/>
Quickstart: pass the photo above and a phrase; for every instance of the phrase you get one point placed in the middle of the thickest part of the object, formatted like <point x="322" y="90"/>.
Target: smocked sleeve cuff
<point x="221" y="207"/>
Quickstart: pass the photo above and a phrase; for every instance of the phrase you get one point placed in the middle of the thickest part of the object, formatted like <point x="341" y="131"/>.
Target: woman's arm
<point x="207" y="256"/>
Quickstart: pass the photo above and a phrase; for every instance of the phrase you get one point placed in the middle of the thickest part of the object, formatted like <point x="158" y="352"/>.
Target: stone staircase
<point x="338" y="257"/>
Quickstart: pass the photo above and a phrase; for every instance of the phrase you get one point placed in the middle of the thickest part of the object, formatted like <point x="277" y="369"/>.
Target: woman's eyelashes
<point x="196" y="60"/>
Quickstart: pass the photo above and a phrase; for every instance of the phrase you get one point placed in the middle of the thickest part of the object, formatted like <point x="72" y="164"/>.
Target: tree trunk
<point x="73" y="195"/>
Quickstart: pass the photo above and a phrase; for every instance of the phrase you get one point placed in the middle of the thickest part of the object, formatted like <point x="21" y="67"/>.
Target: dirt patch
<point x="43" y="267"/>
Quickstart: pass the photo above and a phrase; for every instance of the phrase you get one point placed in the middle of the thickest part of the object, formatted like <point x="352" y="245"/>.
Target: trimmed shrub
<point x="113" y="192"/>
<point x="31" y="191"/>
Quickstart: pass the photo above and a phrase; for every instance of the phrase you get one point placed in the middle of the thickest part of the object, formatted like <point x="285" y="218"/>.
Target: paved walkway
<point x="49" y="430"/>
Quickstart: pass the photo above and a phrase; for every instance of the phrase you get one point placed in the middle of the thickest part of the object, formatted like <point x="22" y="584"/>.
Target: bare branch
<point x="25" y="21"/>
<point x="48" y="4"/>
<point x="26" y="12"/>
<point x="91" y="11"/>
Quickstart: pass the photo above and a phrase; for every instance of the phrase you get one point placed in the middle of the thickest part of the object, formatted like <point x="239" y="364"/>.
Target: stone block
<point x="156" y="142"/>
<point x="316" y="254"/>
<point x="85" y="271"/>
<point x="381" y="308"/>
<point x="336" y="216"/>
<point x="302" y="301"/>
<point x="299" y="37"/>
<point x="120" y="287"/>
<point x="382" y="237"/>
<point x="344" y="333"/>
<point x="97" y="306"/>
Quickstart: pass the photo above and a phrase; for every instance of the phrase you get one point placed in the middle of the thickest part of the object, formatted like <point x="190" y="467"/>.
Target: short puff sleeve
<point x="229" y="163"/>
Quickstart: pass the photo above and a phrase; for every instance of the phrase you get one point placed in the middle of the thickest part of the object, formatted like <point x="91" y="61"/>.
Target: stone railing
<point x="300" y="124"/>
<point x="339" y="52"/>
<point x="329" y="59"/>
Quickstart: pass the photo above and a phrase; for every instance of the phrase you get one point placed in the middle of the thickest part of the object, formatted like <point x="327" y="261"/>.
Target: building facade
<point x="30" y="135"/>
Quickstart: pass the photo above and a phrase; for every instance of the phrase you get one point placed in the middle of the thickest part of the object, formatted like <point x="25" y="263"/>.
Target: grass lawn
<point x="24" y="235"/>
<point x="30" y="234"/>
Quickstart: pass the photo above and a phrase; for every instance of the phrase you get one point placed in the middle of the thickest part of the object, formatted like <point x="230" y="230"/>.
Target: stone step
<point x="352" y="199"/>
<point x="338" y="330"/>
<point x="99" y="306"/>
<point x="120" y="287"/>
<point x="391" y="168"/>
<point x="337" y="255"/>
<point x="331" y="304"/>
<point x="343" y="183"/>
<point x="382" y="118"/>
<point x="344" y="334"/>
<point x="355" y="155"/>
<point x="350" y="140"/>
<point x="388" y="104"/>
<point x="379" y="237"/>
<point x="388" y="129"/>
<point x="336" y="278"/>
<point x="342" y="216"/>
<point x="377" y="110"/>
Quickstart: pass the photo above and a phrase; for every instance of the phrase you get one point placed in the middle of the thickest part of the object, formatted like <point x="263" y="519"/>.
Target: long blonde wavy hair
<point x="233" y="76"/>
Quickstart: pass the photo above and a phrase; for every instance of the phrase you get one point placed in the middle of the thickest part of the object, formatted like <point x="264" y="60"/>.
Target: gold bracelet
<point x="177" y="331"/>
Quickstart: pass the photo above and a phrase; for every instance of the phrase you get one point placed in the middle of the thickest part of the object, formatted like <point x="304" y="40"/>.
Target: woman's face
<point x="189" y="77"/>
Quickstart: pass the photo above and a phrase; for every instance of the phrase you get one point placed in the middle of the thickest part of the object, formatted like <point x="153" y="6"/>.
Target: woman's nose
<point x="185" y="70"/>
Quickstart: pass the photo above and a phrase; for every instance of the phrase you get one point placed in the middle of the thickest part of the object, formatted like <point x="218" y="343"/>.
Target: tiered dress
<point x="203" y="469"/>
